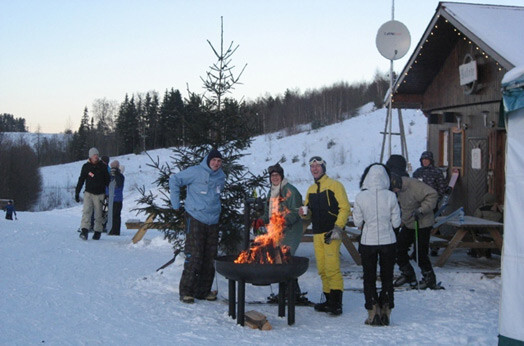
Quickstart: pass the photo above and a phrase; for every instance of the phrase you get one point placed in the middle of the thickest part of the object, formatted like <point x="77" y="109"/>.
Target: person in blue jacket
<point x="115" y="193"/>
<point x="10" y="210"/>
<point x="205" y="183"/>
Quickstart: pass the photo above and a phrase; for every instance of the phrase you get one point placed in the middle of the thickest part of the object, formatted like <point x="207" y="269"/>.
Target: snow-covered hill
<point x="348" y="147"/>
<point x="58" y="289"/>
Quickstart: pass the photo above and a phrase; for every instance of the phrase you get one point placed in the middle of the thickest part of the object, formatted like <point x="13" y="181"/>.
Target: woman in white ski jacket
<point x="376" y="212"/>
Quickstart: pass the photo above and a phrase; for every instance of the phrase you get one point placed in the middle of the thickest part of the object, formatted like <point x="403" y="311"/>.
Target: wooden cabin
<point x="454" y="76"/>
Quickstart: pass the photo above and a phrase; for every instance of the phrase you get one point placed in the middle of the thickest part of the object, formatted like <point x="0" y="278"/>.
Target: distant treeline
<point x="8" y="123"/>
<point x="145" y="121"/>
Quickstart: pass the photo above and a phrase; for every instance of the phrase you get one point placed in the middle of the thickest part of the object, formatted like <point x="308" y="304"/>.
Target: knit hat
<point x="214" y="153"/>
<point x="426" y="155"/>
<point x="276" y="168"/>
<point x="395" y="181"/>
<point x="93" y="151"/>
<point x="318" y="160"/>
<point x="105" y="158"/>
<point x="397" y="164"/>
<point x="115" y="164"/>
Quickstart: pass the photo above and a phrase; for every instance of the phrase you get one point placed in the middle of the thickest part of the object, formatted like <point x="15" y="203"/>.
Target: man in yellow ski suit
<point x="328" y="210"/>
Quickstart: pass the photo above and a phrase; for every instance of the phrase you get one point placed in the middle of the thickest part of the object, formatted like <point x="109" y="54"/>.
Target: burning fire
<point x="266" y="248"/>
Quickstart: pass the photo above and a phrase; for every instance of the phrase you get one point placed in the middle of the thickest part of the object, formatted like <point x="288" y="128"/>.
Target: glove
<point x="334" y="234"/>
<point x="77" y="197"/>
<point x="417" y="214"/>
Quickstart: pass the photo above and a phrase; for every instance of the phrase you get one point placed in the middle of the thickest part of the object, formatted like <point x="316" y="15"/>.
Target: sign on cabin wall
<point x="468" y="72"/>
<point x="476" y="158"/>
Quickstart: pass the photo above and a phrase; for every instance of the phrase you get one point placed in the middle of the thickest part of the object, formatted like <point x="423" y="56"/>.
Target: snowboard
<point x="446" y="197"/>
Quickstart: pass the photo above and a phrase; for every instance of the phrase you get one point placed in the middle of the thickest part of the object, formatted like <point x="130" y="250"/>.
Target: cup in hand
<point x="303" y="210"/>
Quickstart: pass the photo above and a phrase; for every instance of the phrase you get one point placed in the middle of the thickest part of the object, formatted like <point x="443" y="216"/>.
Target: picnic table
<point x="472" y="232"/>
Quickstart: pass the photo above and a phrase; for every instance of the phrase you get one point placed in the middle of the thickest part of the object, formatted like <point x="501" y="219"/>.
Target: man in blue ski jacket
<point x="204" y="184"/>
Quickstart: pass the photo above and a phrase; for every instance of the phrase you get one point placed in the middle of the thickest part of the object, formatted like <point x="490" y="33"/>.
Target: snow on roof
<point x="514" y="75"/>
<point x="500" y="27"/>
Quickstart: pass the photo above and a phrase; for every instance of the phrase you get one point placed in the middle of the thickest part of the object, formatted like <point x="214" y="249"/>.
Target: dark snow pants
<point x="385" y="256"/>
<point x="200" y="251"/>
<point x="116" y="220"/>
<point x="405" y="238"/>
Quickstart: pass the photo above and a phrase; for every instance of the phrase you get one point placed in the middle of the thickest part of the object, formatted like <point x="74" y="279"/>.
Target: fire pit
<point x="265" y="262"/>
<point x="262" y="274"/>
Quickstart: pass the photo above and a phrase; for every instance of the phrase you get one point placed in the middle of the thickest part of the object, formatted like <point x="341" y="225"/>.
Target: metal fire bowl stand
<point x="261" y="274"/>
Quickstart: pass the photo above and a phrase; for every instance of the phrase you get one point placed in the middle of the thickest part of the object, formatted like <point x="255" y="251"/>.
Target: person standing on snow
<point x="328" y="210"/>
<point x="417" y="201"/>
<point x="376" y="212"/>
<point x="430" y="174"/>
<point x="115" y="199"/>
<point x="205" y="183"/>
<point x="397" y="164"/>
<point x="10" y="210"/>
<point x="96" y="177"/>
<point x="289" y="201"/>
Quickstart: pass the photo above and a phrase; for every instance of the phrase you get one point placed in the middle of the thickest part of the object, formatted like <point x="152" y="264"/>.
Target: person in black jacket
<point x="96" y="177"/>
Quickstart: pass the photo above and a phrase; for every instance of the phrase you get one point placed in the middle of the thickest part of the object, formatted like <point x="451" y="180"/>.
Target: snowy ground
<point x="58" y="289"/>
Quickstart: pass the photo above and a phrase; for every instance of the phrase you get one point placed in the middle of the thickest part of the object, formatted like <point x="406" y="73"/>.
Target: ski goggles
<point x="316" y="160"/>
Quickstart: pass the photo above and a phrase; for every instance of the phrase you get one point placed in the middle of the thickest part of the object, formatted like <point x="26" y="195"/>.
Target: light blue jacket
<point x="203" y="191"/>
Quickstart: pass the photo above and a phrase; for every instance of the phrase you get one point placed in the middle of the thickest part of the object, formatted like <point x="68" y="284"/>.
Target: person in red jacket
<point x="96" y="177"/>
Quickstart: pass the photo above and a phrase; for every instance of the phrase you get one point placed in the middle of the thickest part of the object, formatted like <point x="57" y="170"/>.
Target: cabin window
<point x="457" y="150"/>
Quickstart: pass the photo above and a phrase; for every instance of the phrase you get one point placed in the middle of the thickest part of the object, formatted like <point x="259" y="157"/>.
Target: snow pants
<point x="93" y="203"/>
<point x="385" y="255"/>
<point x="328" y="263"/>
<point x="406" y="237"/>
<point x="200" y="251"/>
<point x="115" y="218"/>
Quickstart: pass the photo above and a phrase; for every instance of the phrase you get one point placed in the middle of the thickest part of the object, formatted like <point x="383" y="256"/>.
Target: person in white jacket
<point x="376" y="212"/>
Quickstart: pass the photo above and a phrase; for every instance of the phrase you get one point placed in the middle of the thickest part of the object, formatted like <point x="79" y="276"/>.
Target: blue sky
<point x="58" y="56"/>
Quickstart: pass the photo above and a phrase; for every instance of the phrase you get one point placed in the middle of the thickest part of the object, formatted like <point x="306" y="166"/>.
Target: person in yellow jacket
<point x="328" y="209"/>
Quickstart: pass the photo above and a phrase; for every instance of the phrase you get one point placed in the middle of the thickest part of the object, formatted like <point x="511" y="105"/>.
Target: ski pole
<point x="416" y="250"/>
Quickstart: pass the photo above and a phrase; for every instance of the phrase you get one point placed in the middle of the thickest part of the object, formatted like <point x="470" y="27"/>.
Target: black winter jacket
<point x="95" y="176"/>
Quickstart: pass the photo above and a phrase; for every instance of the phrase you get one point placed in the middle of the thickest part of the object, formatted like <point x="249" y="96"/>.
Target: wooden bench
<point x="349" y="236"/>
<point x="141" y="226"/>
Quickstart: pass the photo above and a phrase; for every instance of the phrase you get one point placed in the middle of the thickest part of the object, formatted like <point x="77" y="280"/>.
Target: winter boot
<point x="325" y="306"/>
<point x="335" y="302"/>
<point x="96" y="235"/>
<point x="83" y="233"/>
<point x="211" y="296"/>
<point x="385" y="313"/>
<point x="428" y="280"/>
<point x="373" y="316"/>
<point x="407" y="276"/>
<point x="187" y="299"/>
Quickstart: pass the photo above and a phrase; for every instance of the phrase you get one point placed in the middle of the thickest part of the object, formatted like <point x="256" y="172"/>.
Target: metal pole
<point x="390" y="99"/>
<point x="416" y="250"/>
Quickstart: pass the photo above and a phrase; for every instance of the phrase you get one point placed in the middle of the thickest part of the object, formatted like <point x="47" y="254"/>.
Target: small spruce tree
<point x="217" y="122"/>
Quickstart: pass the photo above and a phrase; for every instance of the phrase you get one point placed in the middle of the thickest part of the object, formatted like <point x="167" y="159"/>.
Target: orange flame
<point x="266" y="247"/>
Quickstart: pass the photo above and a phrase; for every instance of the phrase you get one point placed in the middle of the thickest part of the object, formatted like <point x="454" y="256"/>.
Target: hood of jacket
<point x="376" y="179"/>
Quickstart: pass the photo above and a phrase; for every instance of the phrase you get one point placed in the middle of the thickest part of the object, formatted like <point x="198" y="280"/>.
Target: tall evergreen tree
<point x="127" y="127"/>
<point x="216" y="122"/>
<point x="80" y="142"/>
<point x="171" y="115"/>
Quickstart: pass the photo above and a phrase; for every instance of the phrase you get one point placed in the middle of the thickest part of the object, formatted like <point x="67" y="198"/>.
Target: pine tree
<point x="127" y="127"/>
<point x="80" y="142"/>
<point x="216" y="122"/>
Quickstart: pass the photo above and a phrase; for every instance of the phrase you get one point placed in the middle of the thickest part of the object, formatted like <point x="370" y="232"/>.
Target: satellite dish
<point x="393" y="40"/>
